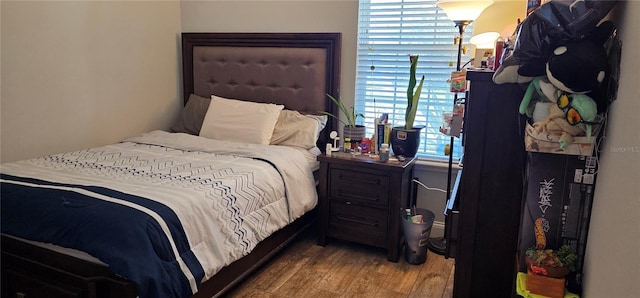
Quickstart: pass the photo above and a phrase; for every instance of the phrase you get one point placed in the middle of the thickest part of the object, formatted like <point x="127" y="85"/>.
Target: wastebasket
<point x="416" y="236"/>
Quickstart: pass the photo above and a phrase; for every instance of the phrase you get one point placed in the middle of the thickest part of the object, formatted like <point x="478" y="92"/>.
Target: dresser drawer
<point x="358" y="223"/>
<point x="360" y="187"/>
<point x="22" y="285"/>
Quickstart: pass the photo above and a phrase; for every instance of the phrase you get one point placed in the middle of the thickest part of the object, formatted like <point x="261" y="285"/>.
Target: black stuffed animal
<point x="550" y="25"/>
<point x="580" y="66"/>
<point x="560" y="40"/>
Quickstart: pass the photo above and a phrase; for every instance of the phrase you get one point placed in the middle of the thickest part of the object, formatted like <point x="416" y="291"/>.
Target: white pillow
<point x="295" y="129"/>
<point x="240" y="121"/>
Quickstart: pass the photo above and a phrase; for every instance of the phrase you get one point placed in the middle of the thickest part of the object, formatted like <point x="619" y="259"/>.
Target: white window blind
<point x="390" y="30"/>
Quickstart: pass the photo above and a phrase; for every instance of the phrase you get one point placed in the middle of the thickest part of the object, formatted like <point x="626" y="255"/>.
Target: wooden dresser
<point x="490" y="190"/>
<point x="361" y="200"/>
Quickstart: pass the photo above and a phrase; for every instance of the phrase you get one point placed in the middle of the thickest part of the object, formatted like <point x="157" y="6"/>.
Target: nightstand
<point x="361" y="200"/>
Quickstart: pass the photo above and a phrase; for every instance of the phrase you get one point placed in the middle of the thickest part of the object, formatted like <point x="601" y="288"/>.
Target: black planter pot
<point x="405" y="142"/>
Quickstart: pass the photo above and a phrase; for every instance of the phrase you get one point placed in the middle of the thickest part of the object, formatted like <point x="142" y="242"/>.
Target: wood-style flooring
<point x="343" y="269"/>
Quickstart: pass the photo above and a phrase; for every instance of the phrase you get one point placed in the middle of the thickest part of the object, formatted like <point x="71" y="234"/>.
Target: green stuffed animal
<point x="572" y="115"/>
<point x="539" y="90"/>
<point x="532" y="95"/>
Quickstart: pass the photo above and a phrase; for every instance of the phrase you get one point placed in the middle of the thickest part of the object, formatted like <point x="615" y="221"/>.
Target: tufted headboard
<point x="293" y="69"/>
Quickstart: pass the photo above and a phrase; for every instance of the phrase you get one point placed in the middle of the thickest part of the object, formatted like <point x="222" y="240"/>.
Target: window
<point x="390" y="30"/>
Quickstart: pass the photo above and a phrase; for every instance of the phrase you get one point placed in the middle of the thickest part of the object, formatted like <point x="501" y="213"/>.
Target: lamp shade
<point x="485" y="40"/>
<point x="463" y="10"/>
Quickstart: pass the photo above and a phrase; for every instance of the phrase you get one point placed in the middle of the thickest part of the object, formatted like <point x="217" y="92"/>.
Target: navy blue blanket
<point x="92" y="218"/>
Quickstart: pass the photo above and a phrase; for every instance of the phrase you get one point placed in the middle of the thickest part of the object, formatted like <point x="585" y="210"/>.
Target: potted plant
<point x="405" y="140"/>
<point x="351" y="129"/>
<point x="547" y="268"/>
<point x="549" y="262"/>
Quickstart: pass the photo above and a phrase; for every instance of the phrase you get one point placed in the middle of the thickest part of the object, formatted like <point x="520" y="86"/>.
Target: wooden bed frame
<point x="234" y="66"/>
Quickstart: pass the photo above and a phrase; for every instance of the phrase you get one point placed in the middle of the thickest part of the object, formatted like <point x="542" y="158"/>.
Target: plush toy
<point x="581" y="66"/>
<point x="560" y="39"/>
<point x="567" y="114"/>
<point x="577" y="66"/>
<point x="555" y="124"/>
<point x="561" y="53"/>
<point x="539" y="90"/>
<point x="553" y="23"/>
<point x="571" y="80"/>
<point x="508" y="72"/>
<point x="571" y="115"/>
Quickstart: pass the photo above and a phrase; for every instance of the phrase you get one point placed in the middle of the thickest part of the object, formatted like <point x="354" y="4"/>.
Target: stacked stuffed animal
<point x="565" y="71"/>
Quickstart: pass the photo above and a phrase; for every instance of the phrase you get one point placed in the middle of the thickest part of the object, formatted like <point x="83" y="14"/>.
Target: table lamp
<point x="485" y="45"/>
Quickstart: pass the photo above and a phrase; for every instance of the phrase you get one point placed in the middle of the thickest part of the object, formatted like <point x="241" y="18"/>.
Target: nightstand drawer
<point x="358" y="223"/>
<point x="359" y="187"/>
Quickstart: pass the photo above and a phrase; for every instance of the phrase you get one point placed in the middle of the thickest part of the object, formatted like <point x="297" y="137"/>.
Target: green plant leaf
<point x="332" y="115"/>
<point x="410" y="116"/>
<point x="412" y="97"/>
<point x="351" y="115"/>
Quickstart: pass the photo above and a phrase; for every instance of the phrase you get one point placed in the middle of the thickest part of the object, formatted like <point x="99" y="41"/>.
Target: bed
<point x="292" y="71"/>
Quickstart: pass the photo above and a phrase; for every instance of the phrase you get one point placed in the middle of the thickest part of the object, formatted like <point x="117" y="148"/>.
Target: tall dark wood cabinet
<point x="490" y="189"/>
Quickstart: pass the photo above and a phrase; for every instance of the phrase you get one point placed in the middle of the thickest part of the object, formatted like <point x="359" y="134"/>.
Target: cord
<point x="463" y="65"/>
<point x="601" y="142"/>
<point x="429" y="188"/>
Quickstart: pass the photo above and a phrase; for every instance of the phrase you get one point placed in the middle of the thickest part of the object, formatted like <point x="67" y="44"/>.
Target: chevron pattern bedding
<point x="164" y="210"/>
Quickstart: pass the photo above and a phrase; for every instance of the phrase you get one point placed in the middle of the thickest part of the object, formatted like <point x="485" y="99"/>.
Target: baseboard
<point x="437" y="229"/>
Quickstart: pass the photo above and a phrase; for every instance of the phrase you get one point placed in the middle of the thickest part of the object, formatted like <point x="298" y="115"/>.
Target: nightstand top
<point x="340" y="157"/>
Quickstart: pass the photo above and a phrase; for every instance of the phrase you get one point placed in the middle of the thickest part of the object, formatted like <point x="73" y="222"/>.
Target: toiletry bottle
<point x="364" y="146"/>
<point x="346" y="146"/>
<point x="384" y="152"/>
<point x="498" y="55"/>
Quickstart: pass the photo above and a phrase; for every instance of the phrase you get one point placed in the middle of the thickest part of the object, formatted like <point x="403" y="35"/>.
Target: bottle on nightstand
<point x="384" y="152"/>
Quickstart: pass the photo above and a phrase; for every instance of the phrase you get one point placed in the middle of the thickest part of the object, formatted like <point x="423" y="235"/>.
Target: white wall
<point x="612" y="263"/>
<point x="78" y="74"/>
<point x="501" y="16"/>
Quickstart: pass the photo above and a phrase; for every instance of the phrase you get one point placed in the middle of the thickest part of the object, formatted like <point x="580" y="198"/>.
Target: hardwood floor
<point x="343" y="269"/>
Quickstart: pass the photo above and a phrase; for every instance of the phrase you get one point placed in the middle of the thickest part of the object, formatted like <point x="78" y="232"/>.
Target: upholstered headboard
<point x="293" y="69"/>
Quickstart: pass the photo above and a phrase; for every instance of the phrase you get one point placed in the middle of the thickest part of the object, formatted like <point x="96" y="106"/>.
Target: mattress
<point x="207" y="202"/>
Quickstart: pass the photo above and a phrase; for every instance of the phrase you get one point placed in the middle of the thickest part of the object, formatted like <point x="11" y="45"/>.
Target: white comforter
<point x="226" y="202"/>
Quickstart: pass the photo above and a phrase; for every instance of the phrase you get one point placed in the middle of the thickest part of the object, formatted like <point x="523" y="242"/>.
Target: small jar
<point x="365" y="145"/>
<point x="355" y="143"/>
<point x="384" y="152"/>
<point x="346" y="147"/>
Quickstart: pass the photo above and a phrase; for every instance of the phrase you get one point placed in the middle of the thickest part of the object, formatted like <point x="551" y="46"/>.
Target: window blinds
<point x="390" y="30"/>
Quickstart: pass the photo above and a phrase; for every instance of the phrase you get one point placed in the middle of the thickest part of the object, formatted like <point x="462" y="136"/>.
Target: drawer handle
<point x="354" y="196"/>
<point x="350" y="178"/>
<point x="373" y="223"/>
